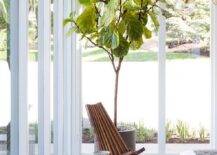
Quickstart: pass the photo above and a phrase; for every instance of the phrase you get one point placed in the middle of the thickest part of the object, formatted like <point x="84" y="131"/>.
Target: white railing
<point x="67" y="103"/>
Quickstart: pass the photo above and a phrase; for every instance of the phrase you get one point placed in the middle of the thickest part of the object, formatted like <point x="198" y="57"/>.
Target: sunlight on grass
<point x="97" y="55"/>
<point x="138" y="55"/>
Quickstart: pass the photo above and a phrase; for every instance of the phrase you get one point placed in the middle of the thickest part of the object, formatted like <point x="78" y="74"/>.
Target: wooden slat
<point x="107" y="134"/>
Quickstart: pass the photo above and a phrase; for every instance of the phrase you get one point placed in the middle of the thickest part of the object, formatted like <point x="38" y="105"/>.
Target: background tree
<point x="184" y="21"/>
<point x="4" y="20"/>
<point x="116" y="26"/>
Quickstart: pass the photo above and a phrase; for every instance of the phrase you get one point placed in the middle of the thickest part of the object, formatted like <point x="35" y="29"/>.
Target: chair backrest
<point x="106" y="133"/>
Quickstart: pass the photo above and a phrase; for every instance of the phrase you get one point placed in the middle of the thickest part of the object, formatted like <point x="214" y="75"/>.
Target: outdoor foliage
<point x="182" y="129"/>
<point x="3" y="11"/>
<point x="203" y="133"/>
<point x="177" y="132"/>
<point x="144" y="134"/>
<point x="188" y="21"/>
<point x="116" y="26"/>
<point x="170" y="131"/>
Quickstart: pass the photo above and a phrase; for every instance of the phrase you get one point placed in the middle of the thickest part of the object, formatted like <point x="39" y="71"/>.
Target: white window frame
<point x="213" y="46"/>
<point x="19" y="143"/>
<point x="44" y="58"/>
<point x="67" y="81"/>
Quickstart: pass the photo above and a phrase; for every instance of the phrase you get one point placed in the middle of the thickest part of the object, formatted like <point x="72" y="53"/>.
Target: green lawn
<point x="138" y="55"/>
<point x="97" y="55"/>
<point x="33" y="55"/>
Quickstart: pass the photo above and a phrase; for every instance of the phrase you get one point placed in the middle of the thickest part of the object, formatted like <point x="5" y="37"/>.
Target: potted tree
<point x="116" y="26"/>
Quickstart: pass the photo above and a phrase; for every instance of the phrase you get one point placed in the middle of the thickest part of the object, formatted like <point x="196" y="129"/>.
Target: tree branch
<point x="120" y="9"/>
<point x="155" y="4"/>
<point x="110" y="55"/>
<point x="119" y="64"/>
<point x="89" y="39"/>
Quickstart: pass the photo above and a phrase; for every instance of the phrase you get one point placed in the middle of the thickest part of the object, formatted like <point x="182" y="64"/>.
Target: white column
<point x="76" y="91"/>
<point x="162" y="86"/>
<point x="67" y="81"/>
<point x="58" y="77"/>
<point x="19" y="63"/>
<point x="214" y="74"/>
<point x="44" y="26"/>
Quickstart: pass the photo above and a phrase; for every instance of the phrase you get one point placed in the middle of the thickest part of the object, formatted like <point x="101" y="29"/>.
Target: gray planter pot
<point x="129" y="137"/>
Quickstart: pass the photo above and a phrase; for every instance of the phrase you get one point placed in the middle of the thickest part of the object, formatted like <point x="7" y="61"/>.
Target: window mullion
<point x="214" y="74"/>
<point x="162" y="85"/>
<point x="19" y="62"/>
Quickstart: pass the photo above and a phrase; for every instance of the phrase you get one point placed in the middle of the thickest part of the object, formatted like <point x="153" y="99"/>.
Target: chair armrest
<point x="135" y="152"/>
<point x="138" y="151"/>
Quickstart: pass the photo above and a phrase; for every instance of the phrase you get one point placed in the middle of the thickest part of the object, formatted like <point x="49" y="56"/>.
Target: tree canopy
<point x="116" y="25"/>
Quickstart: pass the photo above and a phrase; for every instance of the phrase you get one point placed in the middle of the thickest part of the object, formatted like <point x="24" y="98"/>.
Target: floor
<point x="150" y="148"/>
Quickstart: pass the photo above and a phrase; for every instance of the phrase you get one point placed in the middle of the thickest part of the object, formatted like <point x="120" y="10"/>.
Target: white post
<point x="19" y="63"/>
<point x="44" y="77"/>
<point x="76" y="91"/>
<point x="67" y="82"/>
<point x="58" y="77"/>
<point x="162" y="86"/>
<point x="213" y="54"/>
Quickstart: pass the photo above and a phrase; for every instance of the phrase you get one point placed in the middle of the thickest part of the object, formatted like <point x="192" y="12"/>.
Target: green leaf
<point x="115" y="40"/>
<point x="145" y="19"/>
<point x="87" y="2"/>
<point x="134" y="29"/>
<point x="109" y="37"/>
<point x="87" y="20"/>
<point x="122" y="27"/>
<point x="136" y="44"/>
<point x="130" y="5"/>
<point x="154" y="19"/>
<point x="108" y="12"/>
<point x="112" y="4"/>
<point x="67" y="21"/>
<point x="147" y="33"/>
<point x="144" y="2"/>
<point x="123" y="48"/>
<point x="107" y="17"/>
<point x="71" y="30"/>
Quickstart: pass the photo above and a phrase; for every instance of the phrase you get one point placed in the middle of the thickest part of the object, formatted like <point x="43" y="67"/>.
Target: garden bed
<point x="178" y="133"/>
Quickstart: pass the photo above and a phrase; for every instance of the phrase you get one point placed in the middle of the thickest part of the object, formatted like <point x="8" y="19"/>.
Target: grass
<point x="33" y="55"/>
<point x="138" y="55"/>
<point x="97" y="55"/>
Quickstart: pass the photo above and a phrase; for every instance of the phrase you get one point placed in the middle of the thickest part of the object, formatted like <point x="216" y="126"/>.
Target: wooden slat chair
<point x="106" y="133"/>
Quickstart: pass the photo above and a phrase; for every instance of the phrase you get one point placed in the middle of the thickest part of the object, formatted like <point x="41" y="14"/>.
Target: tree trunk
<point x="116" y="96"/>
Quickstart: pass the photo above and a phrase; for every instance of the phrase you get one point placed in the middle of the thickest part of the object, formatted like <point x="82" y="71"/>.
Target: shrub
<point x="87" y="135"/>
<point x="170" y="130"/>
<point x="203" y="134"/>
<point x="182" y="130"/>
<point x="144" y="134"/>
